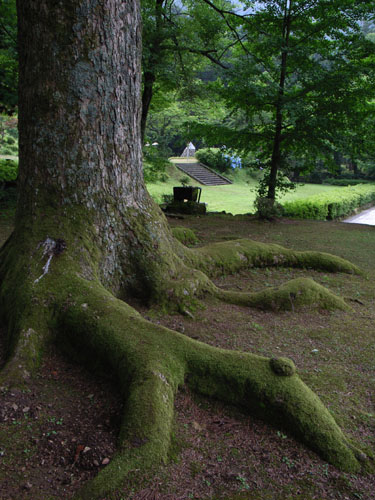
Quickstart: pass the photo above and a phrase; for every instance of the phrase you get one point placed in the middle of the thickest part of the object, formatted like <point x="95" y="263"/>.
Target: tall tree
<point x="88" y="235"/>
<point x="302" y="66"/>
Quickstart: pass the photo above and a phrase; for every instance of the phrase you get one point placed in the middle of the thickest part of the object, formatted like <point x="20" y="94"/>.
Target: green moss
<point x="230" y="257"/>
<point x="185" y="235"/>
<point x="249" y="381"/>
<point x="150" y="362"/>
<point x="283" y="366"/>
<point x="296" y="293"/>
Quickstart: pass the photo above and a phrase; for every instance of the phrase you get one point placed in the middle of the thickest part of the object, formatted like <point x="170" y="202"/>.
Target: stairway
<point x="203" y="174"/>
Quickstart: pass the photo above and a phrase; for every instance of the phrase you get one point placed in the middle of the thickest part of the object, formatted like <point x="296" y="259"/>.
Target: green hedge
<point x="346" y="182"/>
<point x="337" y="203"/>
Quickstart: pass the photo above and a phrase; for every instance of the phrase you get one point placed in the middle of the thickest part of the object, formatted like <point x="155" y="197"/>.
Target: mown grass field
<point x="236" y="198"/>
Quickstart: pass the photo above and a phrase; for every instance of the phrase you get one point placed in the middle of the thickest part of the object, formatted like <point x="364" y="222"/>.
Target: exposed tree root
<point x="150" y="362"/>
<point x="232" y="256"/>
<point x="294" y="294"/>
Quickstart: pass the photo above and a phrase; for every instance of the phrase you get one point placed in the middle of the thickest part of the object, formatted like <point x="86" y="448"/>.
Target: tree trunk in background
<point x="276" y="152"/>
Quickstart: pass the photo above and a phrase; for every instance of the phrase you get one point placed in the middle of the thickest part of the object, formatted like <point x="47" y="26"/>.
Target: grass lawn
<point x="236" y="198"/>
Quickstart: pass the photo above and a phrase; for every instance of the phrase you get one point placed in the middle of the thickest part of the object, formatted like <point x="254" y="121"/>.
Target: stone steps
<point x="203" y="174"/>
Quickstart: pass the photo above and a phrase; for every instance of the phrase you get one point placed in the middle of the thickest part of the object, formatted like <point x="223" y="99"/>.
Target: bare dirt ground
<point x="61" y="429"/>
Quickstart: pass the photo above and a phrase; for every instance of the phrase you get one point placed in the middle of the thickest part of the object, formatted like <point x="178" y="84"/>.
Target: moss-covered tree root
<point x="57" y="294"/>
<point x="151" y="362"/>
<point x="232" y="256"/>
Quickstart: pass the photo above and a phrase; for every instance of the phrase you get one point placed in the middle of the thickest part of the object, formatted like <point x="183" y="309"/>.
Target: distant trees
<point x="179" y="38"/>
<point x="8" y="56"/>
<point x="301" y="75"/>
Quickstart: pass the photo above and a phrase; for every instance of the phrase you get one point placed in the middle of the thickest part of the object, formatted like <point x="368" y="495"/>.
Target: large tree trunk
<point x="80" y="146"/>
<point x="88" y="234"/>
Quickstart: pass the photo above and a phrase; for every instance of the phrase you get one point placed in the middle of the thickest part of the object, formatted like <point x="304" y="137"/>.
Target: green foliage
<point x="8" y="176"/>
<point x="8" y="170"/>
<point x="171" y="115"/>
<point x="8" y="135"/>
<point x="301" y="77"/>
<point x="8" y="56"/>
<point x="332" y="205"/>
<point x="154" y="165"/>
<point x="185" y="181"/>
<point x="346" y="182"/>
<point x="266" y="208"/>
<point x="214" y="158"/>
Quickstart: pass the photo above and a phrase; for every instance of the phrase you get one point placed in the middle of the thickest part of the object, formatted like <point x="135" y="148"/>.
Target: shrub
<point x="214" y="158"/>
<point x="185" y="181"/>
<point x="8" y="177"/>
<point x="8" y="135"/>
<point x="8" y="171"/>
<point x="267" y="208"/>
<point x="337" y="203"/>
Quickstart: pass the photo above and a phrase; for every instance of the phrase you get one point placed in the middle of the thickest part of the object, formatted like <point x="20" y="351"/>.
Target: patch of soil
<point x="56" y="433"/>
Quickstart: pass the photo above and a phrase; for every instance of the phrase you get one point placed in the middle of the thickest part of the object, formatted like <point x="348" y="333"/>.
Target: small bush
<point x="185" y="181"/>
<point x="267" y="208"/>
<point x="8" y="171"/>
<point x="8" y="135"/>
<point x="167" y="198"/>
<point x="215" y="159"/>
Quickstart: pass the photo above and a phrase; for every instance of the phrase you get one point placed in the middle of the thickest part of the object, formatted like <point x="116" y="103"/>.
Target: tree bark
<point x="87" y="235"/>
<point x="276" y="151"/>
<point x="80" y="146"/>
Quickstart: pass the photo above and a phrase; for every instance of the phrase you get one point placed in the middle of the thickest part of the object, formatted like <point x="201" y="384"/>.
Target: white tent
<point x="189" y="150"/>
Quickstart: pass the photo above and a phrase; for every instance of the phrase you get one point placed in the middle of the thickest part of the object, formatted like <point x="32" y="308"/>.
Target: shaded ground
<point x="62" y="428"/>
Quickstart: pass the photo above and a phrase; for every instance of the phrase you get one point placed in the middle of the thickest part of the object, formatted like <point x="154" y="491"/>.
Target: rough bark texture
<point x="80" y="126"/>
<point x="87" y="234"/>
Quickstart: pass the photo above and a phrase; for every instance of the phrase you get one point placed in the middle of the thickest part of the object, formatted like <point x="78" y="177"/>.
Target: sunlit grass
<point x="236" y="198"/>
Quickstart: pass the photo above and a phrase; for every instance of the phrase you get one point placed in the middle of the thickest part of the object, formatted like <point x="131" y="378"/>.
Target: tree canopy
<point x="301" y="73"/>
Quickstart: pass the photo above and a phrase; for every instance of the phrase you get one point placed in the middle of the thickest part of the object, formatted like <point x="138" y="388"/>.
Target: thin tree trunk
<point x="337" y="157"/>
<point x="276" y="151"/>
<point x="149" y="79"/>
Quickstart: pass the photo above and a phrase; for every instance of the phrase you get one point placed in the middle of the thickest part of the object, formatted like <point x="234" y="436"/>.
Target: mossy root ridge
<point x="150" y="362"/>
<point x="294" y="294"/>
<point x="232" y="256"/>
<point x="185" y="235"/>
